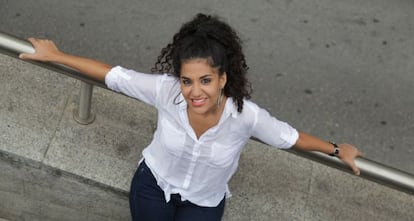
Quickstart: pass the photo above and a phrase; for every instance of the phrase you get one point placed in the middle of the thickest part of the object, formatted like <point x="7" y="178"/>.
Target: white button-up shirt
<point x="197" y="169"/>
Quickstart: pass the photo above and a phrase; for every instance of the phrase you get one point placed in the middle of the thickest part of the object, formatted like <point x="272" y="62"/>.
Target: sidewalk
<point x="36" y="125"/>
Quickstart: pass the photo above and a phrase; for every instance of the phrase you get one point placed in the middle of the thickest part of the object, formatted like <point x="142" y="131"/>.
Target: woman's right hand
<point x="45" y="50"/>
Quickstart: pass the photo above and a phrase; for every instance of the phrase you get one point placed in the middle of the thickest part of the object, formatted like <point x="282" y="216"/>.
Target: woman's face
<point x="201" y="86"/>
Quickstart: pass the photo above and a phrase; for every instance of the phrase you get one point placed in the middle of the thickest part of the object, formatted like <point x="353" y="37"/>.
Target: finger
<point x="32" y="40"/>
<point x="27" y="55"/>
<point x="354" y="168"/>
<point x="37" y="41"/>
<point x="24" y="56"/>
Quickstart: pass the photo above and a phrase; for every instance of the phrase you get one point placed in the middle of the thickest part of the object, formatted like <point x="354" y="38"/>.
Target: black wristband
<point x="335" y="153"/>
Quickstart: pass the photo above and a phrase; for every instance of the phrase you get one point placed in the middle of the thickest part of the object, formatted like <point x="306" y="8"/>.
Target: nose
<point x="196" y="90"/>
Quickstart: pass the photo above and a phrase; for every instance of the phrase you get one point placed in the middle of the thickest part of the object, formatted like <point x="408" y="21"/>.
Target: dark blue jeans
<point x="147" y="202"/>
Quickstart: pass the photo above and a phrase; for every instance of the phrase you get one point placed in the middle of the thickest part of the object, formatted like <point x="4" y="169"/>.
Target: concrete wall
<point x="33" y="191"/>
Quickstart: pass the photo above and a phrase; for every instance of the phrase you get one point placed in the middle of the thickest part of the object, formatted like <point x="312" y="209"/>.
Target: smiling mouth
<point x="198" y="102"/>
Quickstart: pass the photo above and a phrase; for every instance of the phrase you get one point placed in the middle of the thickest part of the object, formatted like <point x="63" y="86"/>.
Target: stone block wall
<point x="32" y="191"/>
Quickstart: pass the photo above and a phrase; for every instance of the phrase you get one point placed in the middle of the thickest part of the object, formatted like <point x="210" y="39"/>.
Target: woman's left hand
<point x="347" y="154"/>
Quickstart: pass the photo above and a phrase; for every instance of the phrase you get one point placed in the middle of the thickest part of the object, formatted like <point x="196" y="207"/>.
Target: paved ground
<point x="339" y="70"/>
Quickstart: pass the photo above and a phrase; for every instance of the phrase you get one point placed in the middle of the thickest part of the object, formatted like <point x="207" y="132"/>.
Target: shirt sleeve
<point x="141" y="86"/>
<point x="273" y="131"/>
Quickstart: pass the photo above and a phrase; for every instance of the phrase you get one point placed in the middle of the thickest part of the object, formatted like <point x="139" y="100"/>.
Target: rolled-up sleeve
<point x="138" y="85"/>
<point x="273" y="131"/>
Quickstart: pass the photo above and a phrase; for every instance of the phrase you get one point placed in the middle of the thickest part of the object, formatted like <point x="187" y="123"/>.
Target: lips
<point x="198" y="102"/>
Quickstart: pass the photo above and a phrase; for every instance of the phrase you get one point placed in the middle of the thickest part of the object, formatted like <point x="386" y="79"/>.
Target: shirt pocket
<point x="223" y="156"/>
<point x="172" y="138"/>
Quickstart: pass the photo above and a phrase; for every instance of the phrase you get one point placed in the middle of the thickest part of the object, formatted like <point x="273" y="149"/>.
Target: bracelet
<point x="335" y="153"/>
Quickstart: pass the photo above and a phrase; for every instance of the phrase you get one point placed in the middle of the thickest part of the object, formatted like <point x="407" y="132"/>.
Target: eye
<point x="185" y="81"/>
<point x="205" y="81"/>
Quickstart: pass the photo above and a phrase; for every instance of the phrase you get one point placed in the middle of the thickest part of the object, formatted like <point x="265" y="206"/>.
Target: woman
<point x="204" y="120"/>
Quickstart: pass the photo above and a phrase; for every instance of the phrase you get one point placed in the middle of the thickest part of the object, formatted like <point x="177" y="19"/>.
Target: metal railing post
<point x="83" y="114"/>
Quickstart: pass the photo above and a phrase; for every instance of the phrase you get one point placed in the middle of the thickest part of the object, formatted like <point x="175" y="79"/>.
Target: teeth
<point x="198" y="100"/>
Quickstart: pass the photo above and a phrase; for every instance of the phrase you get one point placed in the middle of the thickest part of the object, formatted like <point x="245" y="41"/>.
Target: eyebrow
<point x="202" y="77"/>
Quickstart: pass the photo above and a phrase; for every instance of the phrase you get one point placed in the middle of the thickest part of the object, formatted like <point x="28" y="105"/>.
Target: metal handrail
<point x="13" y="46"/>
<point x="371" y="170"/>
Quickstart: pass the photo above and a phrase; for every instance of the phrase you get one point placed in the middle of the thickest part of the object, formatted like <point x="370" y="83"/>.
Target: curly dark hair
<point x="207" y="37"/>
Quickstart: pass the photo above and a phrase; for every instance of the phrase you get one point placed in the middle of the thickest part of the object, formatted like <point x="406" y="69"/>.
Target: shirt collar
<point x="183" y="104"/>
<point x="230" y="108"/>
